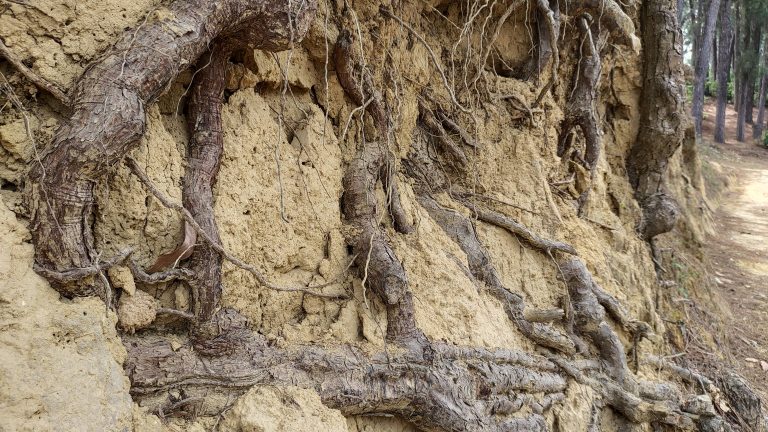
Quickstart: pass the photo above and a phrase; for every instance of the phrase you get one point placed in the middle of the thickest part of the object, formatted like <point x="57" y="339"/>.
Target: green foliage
<point x="765" y="139"/>
<point x="710" y="89"/>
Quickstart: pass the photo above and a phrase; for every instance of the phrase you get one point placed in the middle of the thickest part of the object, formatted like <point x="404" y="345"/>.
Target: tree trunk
<point x="737" y="35"/>
<point x="759" y="125"/>
<point x="743" y="68"/>
<point x="724" y="63"/>
<point x="754" y="56"/>
<point x="662" y="117"/>
<point x="702" y="64"/>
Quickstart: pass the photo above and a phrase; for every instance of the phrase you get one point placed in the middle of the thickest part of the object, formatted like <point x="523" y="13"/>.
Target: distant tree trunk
<point x="724" y="65"/>
<point x="742" y="67"/>
<point x="736" y="46"/>
<point x="759" y="125"/>
<point x="707" y="34"/>
<point x="680" y="7"/>
<point x="712" y="74"/>
<point x="754" y="55"/>
<point x="695" y="30"/>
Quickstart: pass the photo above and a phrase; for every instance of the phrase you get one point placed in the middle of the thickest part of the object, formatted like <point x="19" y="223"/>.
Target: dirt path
<point x="739" y="252"/>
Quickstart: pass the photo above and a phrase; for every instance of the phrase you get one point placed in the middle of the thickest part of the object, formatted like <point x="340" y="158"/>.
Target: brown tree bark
<point x="724" y="67"/>
<point x="108" y="115"/>
<point x="662" y="117"/>
<point x="752" y="77"/>
<point x="702" y="62"/>
<point x="759" y="125"/>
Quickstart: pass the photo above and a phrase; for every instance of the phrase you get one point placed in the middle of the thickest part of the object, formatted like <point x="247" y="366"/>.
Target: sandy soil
<point x="739" y="250"/>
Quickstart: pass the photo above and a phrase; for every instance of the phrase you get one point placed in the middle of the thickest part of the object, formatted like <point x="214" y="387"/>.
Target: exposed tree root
<point x="347" y="72"/>
<point x="29" y="74"/>
<point x="204" y="150"/>
<point x="460" y="229"/>
<point x="611" y="15"/>
<point x="545" y="51"/>
<point x="580" y="108"/>
<point x="437" y="131"/>
<point x="521" y="231"/>
<point x="125" y="80"/>
<point x="588" y="301"/>
<point x="376" y="261"/>
<point x="434" y="385"/>
<point x="453" y="390"/>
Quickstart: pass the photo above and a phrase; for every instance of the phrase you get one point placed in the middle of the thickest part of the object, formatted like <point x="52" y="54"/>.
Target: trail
<point x="739" y="253"/>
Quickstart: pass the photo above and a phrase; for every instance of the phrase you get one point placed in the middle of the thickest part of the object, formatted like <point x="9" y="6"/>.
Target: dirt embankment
<point x="277" y="206"/>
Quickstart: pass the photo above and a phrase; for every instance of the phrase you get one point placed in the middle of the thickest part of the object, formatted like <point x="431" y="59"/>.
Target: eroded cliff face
<point x="277" y="204"/>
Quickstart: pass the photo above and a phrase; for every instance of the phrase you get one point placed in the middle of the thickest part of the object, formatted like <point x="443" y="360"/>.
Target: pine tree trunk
<point x="662" y="118"/>
<point x="724" y="65"/>
<point x="737" y="34"/>
<point x="752" y="72"/>
<point x="759" y="125"/>
<point x="707" y="34"/>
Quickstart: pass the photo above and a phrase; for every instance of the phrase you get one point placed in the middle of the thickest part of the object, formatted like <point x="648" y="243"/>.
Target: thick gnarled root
<point x="377" y="263"/>
<point x="97" y="136"/>
<point x="454" y="389"/>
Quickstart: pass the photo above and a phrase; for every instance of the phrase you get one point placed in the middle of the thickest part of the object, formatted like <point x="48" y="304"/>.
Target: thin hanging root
<point x="362" y="95"/>
<point x="436" y="130"/>
<point x="29" y="74"/>
<point x="460" y="229"/>
<point x="513" y="7"/>
<point x="137" y="171"/>
<point x="454" y="127"/>
<point x="376" y="260"/>
<point x="386" y="12"/>
<point x="545" y="245"/>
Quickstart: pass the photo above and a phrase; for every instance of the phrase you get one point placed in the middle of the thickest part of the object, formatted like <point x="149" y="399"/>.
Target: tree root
<point x="365" y="94"/>
<point x="125" y="81"/>
<point x="204" y="150"/>
<point x="580" y="109"/>
<point x="611" y="15"/>
<point x="545" y="51"/>
<point x="460" y="229"/>
<point x="33" y="77"/>
<point x="519" y="230"/>
<point x="445" y="142"/>
<point x="376" y="261"/>
<point x="453" y="390"/>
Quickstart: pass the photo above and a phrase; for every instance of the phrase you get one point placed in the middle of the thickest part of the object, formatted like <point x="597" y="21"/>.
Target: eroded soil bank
<point x="290" y="135"/>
